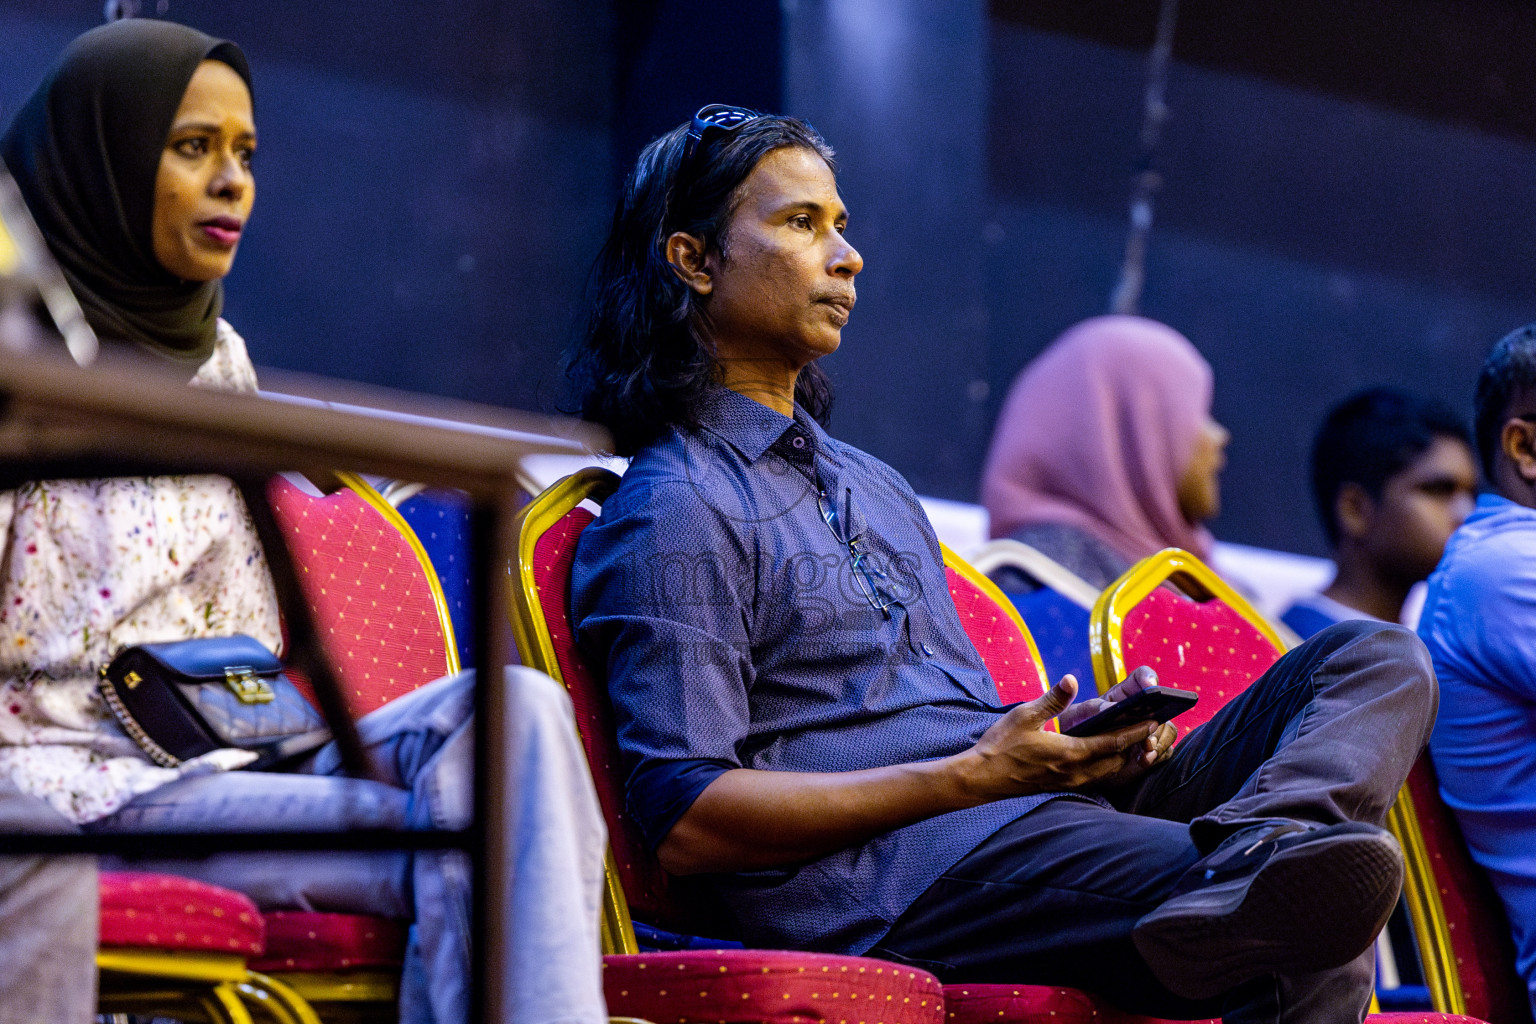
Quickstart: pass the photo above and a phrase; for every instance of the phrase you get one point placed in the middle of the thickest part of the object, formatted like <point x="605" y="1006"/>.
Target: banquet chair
<point x="1056" y="610"/>
<point x="1207" y="639"/>
<point x="1210" y="640"/>
<point x="440" y="518"/>
<point x="383" y="621"/>
<point x="173" y="947"/>
<point x="997" y="631"/>
<point x="1041" y="1004"/>
<point x="687" y="986"/>
<point x="379" y="608"/>
<point x="1467" y="955"/>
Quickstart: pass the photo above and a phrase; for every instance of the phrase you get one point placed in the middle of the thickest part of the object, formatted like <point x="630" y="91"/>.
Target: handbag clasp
<point x="247" y="686"/>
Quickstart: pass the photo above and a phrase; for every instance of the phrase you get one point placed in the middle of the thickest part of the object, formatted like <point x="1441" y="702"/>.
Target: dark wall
<point x="436" y="178"/>
<point x="1309" y="244"/>
<point x="898" y="89"/>
<point x="672" y="57"/>
<point x="432" y="180"/>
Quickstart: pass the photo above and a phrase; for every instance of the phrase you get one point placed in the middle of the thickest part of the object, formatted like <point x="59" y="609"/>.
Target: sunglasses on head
<point x="713" y="120"/>
<point x="709" y="123"/>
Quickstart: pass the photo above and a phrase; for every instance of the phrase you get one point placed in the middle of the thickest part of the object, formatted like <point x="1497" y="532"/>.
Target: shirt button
<point x="928" y="650"/>
<point x="797" y="441"/>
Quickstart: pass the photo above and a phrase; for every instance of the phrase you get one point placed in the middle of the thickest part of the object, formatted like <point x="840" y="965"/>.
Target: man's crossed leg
<point x="1323" y="739"/>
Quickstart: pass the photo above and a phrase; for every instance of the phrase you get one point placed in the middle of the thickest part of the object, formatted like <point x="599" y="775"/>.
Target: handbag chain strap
<point x="156" y="752"/>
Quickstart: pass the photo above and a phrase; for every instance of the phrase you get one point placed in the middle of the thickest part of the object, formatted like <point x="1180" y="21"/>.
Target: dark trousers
<point x="1326" y="735"/>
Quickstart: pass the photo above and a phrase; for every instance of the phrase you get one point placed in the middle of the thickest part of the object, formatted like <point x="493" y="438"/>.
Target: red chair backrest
<point x="1004" y="649"/>
<point x="1204" y="646"/>
<point x="371" y="597"/>
<point x="648" y="888"/>
<point x="1476" y="926"/>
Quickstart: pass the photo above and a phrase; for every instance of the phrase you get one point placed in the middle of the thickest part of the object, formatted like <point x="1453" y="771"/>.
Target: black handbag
<point x="180" y="700"/>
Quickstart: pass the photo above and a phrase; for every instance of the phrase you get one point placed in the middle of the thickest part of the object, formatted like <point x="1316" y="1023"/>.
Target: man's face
<point x="1421" y="507"/>
<point x="782" y="278"/>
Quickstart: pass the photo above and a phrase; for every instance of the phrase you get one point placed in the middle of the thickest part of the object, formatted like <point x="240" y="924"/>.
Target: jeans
<point x="48" y="916"/>
<point x="423" y="744"/>
<point x="1327" y="735"/>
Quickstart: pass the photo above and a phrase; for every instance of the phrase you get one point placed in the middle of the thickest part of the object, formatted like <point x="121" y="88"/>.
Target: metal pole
<point x="1146" y="181"/>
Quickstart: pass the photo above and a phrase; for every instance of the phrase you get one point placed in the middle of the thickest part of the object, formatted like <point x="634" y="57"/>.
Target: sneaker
<point x="1277" y="898"/>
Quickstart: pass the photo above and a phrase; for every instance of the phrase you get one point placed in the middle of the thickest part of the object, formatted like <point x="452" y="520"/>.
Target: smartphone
<point x="1154" y="704"/>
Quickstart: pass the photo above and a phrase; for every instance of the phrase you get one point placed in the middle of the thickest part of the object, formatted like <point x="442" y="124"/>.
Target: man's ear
<point x="686" y="254"/>
<point x="1353" y="510"/>
<point x="1518" y="443"/>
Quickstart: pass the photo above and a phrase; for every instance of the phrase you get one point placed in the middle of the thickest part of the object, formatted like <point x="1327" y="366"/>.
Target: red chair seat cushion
<point x="1048" y="1004"/>
<point x="301" y="941"/>
<point x="170" y="912"/>
<point x="768" y="987"/>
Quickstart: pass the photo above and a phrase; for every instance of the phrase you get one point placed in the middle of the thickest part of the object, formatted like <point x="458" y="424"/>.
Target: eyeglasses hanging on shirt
<point x="869" y="578"/>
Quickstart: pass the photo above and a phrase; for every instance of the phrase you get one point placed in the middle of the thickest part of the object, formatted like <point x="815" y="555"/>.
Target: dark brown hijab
<point x="85" y="151"/>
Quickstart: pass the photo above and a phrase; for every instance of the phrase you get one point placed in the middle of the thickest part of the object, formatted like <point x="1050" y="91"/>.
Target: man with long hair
<point x="805" y="722"/>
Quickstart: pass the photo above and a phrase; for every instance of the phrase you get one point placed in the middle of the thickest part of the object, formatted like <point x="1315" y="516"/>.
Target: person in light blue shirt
<point x="1479" y="623"/>
<point x="1393" y="476"/>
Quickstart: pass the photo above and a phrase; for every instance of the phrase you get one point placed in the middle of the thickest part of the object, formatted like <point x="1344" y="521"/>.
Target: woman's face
<point x="1200" y="487"/>
<point x="204" y="188"/>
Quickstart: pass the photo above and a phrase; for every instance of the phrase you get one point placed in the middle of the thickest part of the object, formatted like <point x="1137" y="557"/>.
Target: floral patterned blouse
<point x="92" y="566"/>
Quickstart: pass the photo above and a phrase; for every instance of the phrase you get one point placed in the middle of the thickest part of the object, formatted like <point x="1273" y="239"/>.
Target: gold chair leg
<point x="223" y="1004"/>
<point x="282" y="1003"/>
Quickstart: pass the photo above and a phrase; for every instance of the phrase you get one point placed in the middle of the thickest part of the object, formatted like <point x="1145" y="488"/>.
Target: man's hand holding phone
<point x="1020" y="754"/>
<point x="1156" y="747"/>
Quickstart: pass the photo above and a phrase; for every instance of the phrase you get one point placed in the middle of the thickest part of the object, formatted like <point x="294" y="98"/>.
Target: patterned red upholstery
<point x="1479" y="931"/>
<point x="376" y="615"/>
<point x="1202" y="646"/>
<point x="752" y="985"/>
<point x="170" y="912"/>
<point x="1042" y="1004"/>
<point x="646" y="885"/>
<point x="368" y="592"/>
<point x="1002" y="647"/>
<point x="298" y="941"/>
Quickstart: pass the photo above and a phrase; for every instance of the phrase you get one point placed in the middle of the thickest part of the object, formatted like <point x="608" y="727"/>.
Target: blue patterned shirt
<point x="738" y="632"/>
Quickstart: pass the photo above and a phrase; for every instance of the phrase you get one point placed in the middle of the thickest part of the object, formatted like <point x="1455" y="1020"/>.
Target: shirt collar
<point x="751" y="427"/>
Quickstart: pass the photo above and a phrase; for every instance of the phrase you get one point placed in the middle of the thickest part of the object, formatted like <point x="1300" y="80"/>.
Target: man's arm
<point x="748" y="820"/>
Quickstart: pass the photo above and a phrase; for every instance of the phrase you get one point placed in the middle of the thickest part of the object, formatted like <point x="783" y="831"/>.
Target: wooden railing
<point x="58" y="420"/>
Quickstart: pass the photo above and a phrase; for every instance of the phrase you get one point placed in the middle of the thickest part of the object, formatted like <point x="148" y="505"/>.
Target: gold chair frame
<point x="1170" y="565"/>
<point x="531" y="632"/>
<point x="213" y="986"/>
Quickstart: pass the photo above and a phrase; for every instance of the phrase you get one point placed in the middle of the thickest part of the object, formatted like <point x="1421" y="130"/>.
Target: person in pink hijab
<point x="1105" y="451"/>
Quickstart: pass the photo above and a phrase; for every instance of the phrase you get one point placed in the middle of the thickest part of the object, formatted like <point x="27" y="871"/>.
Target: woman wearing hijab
<point x="1105" y="451"/>
<point x="134" y="156"/>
